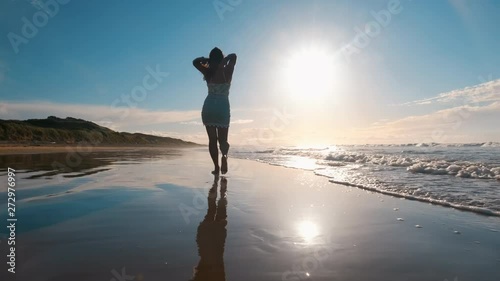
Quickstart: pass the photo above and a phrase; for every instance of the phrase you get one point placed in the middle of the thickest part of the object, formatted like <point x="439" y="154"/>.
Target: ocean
<point x="462" y="176"/>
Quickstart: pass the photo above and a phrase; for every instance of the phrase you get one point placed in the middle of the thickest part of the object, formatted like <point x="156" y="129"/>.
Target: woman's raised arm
<point x="230" y="60"/>
<point x="199" y="63"/>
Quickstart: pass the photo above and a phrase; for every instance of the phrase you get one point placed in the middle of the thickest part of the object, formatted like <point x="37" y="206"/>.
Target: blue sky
<point x="91" y="53"/>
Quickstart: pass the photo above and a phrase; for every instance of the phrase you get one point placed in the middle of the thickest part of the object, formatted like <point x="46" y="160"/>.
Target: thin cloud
<point x="440" y="126"/>
<point x="242" y="121"/>
<point x="484" y="92"/>
<point x="192" y="123"/>
<point x="117" y="118"/>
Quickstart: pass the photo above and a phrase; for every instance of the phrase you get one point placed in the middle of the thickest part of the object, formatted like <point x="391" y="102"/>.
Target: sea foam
<point x="462" y="176"/>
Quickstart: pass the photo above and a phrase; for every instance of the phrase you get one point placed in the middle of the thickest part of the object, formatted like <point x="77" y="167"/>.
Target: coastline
<point x="9" y="149"/>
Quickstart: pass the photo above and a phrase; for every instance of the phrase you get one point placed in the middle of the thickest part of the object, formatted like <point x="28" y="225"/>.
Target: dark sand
<point x="10" y="149"/>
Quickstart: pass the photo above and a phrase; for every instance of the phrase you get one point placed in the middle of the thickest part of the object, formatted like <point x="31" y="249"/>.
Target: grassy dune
<point x="54" y="130"/>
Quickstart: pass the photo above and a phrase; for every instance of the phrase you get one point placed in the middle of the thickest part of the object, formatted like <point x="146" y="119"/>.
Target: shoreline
<point x="475" y="210"/>
<point x="9" y="149"/>
<point x="23" y="149"/>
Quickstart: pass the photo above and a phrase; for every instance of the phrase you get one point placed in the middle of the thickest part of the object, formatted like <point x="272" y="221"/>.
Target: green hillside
<point x="54" y="130"/>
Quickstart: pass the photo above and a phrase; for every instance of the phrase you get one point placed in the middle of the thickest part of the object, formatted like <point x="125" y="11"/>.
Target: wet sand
<point x="14" y="149"/>
<point x="165" y="217"/>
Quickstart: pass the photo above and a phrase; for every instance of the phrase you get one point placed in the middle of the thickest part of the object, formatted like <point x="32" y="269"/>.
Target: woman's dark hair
<point x="215" y="58"/>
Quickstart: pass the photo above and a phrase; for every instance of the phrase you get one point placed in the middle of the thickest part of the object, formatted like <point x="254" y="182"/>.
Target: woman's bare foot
<point x="223" y="168"/>
<point x="215" y="171"/>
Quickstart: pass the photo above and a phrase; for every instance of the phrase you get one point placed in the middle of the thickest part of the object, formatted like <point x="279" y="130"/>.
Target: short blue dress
<point x="216" y="109"/>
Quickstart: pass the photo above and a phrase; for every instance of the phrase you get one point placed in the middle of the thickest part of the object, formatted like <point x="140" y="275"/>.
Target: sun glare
<point x="301" y="163"/>
<point x="309" y="72"/>
<point x="308" y="230"/>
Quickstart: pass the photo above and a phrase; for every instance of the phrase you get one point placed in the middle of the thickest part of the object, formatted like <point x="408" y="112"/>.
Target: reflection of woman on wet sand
<point x="211" y="236"/>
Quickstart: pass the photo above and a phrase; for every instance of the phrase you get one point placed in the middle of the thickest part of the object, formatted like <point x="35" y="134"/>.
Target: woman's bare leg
<point x="224" y="147"/>
<point x="212" y="147"/>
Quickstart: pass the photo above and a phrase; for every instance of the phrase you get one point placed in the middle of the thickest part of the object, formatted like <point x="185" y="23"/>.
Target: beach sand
<point x="11" y="149"/>
<point x="159" y="219"/>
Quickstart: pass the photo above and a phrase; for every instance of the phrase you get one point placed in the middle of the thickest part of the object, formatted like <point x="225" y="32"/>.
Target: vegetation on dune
<point x="73" y="131"/>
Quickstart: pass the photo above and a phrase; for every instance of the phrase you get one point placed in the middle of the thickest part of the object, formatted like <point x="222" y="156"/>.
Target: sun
<point x="309" y="72"/>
